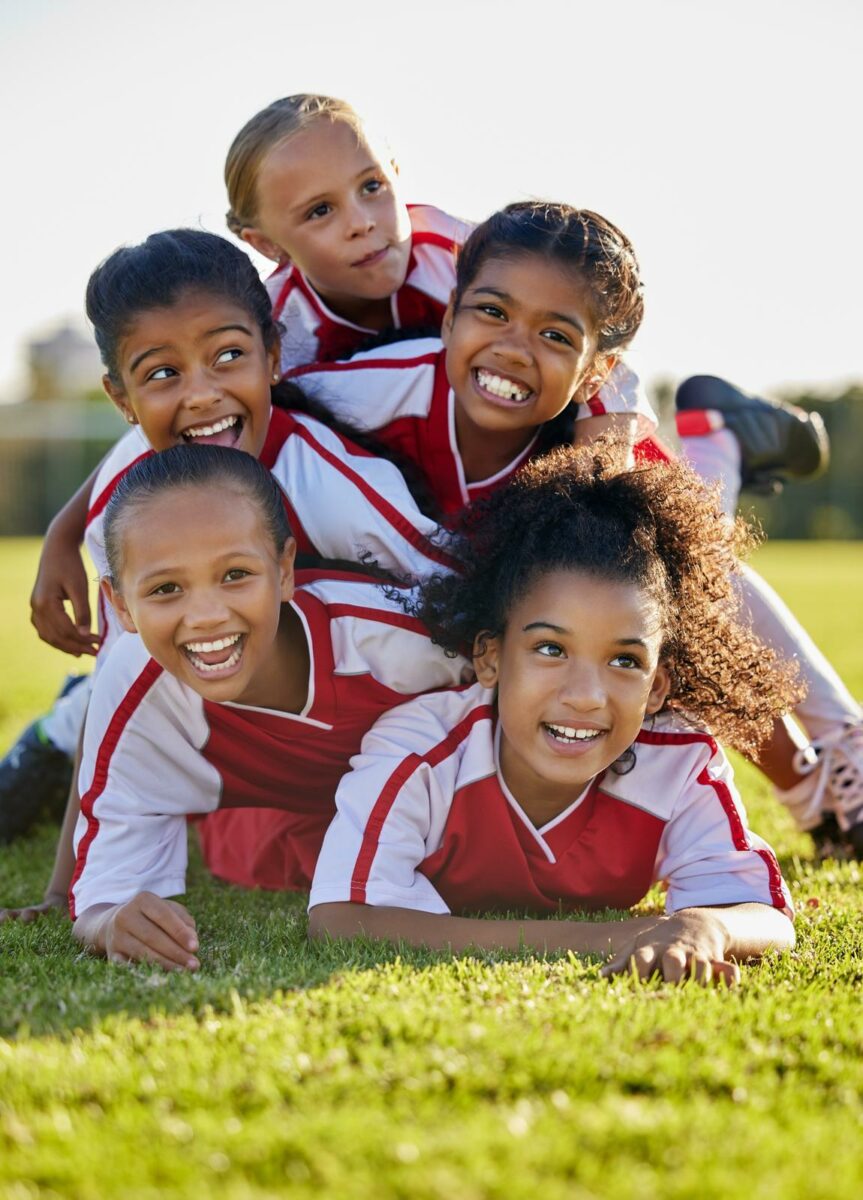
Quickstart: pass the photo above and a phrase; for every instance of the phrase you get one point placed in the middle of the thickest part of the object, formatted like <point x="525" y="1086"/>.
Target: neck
<point x="485" y="452"/>
<point x="282" y="684"/>
<point x="370" y="314"/>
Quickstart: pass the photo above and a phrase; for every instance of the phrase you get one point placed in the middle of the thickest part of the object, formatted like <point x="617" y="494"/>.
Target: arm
<point x="146" y="928"/>
<point x="698" y="943"/>
<point x="620" y="426"/>
<point x="61" y="577"/>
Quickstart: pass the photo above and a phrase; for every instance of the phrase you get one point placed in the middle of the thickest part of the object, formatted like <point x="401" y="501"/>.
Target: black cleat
<point x="34" y="783"/>
<point x="778" y="441"/>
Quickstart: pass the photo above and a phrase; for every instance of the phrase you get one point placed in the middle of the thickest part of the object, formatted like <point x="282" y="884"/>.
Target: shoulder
<point x="432" y="225"/>
<point x="453" y="727"/>
<point x="131" y="447"/>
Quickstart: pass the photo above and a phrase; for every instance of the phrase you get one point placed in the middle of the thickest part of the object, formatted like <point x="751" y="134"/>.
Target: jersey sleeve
<point x="140" y="776"/>
<point x="350" y="504"/>
<point x="707" y="855"/>
<point x="375" y="387"/>
<point x="390" y="811"/>
<point x="622" y="392"/>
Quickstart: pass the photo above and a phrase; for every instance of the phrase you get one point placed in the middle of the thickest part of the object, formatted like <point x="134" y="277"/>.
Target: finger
<point x="138" y="928"/>
<point x="700" y="969"/>
<point x="674" y="965"/>
<point x="130" y="949"/>
<point x="183" y="913"/>
<point x="55" y="627"/>
<point x="726" y="974"/>
<point x="644" y="962"/>
<point x="80" y="602"/>
<point x="164" y="915"/>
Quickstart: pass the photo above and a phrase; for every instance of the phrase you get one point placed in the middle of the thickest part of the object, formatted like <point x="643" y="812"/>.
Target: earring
<point x="275" y="376"/>
<point x="131" y="419"/>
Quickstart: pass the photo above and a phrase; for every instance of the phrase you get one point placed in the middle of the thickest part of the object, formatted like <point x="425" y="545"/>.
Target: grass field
<point x="288" y="1069"/>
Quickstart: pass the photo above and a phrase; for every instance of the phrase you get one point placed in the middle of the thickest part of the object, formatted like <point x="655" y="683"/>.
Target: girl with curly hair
<point x="582" y="767"/>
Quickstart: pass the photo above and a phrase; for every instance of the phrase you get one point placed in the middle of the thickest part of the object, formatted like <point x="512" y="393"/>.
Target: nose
<point x="582" y="689"/>
<point x="206" y="610"/>
<point x="359" y="220"/>
<point x="201" y="391"/>
<point x="513" y="346"/>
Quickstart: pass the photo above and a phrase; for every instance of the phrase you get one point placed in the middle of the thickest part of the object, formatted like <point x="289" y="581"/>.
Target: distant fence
<point x="47" y="450"/>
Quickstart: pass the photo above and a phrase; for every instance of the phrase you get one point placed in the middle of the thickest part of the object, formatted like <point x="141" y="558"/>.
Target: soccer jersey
<point x="340" y="500"/>
<point x="425" y="821"/>
<point x="156" y="752"/>
<point x="401" y="392"/>
<point x="313" y="333"/>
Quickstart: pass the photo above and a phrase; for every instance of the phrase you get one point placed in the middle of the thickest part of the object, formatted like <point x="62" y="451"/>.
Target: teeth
<point x="570" y="734"/>
<point x="209" y="647"/>
<point x="505" y="388"/>
<point x="204" y="668"/>
<point x="209" y="430"/>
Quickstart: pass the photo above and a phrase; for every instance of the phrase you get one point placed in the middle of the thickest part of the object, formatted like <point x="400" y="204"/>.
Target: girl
<point x="578" y="770"/>
<point x="243" y="687"/>
<point x="190" y="350"/>
<point x="546" y="296"/>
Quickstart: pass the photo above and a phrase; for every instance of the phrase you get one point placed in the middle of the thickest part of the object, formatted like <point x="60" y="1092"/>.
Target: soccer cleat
<point x="828" y="801"/>
<point x="34" y="783"/>
<point x="778" y="441"/>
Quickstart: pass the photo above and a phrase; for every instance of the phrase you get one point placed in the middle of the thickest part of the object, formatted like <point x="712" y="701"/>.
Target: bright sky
<point x="724" y="138"/>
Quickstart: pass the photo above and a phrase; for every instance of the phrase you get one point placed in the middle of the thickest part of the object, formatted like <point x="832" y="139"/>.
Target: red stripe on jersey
<point x="391" y="514"/>
<point x="698" y="422"/>
<point x="394" y="785"/>
<point x="114" y="732"/>
<point x="597" y="408"/>
<point x="371" y="364"/>
<point x="652" y="449"/>
<point x="99" y="504"/>
<point x="381" y="615"/>
<point x="427" y="238"/>
<point x="723" y="794"/>
<point x="307" y="575"/>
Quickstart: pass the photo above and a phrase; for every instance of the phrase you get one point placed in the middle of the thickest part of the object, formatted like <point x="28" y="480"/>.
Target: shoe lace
<point x="838" y="759"/>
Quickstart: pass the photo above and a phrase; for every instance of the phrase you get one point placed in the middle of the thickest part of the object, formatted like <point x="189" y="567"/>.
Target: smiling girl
<point x="579" y="770"/>
<point x="242" y="687"/>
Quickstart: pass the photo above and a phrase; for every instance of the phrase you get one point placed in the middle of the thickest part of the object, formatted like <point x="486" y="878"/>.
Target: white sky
<point x="724" y="138"/>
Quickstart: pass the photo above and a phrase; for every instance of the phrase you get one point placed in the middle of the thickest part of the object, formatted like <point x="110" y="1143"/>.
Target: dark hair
<point x="574" y="238"/>
<point x="656" y="527"/>
<point x="190" y="467"/>
<point x="154" y="274"/>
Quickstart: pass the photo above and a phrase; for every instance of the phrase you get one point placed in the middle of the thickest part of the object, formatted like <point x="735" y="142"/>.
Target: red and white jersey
<point x="156" y="752"/>
<point x="425" y="821"/>
<point x="340" y="500"/>
<point x="402" y="394"/>
<point x="313" y="333"/>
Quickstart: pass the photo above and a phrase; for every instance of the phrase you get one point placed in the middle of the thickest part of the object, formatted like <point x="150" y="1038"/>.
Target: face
<point x="203" y="585"/>
<point x="521" y="344"/>
<point x="576" y="670"/>
<point x="196" y="372"/>
<point x="328" y="202"/>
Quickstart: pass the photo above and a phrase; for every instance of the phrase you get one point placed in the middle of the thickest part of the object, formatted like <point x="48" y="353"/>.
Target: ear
<point x="115" y="599"/>
<point x="598" y="372"/>
<point x="274" y="358"/>
<point x="286" y="570"/>
<point x="486" y="657"/>
<point x="448" y="319"/>
<point x="254" y="238"/>
<point x="118" y="397"/>
<point x="659" y="689"/>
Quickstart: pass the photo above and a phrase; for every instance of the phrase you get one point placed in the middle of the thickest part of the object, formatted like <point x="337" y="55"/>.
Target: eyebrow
<point x="563" y="630"/>
<point x="556" y="316"/>
<point x="139" y="358"/>
<point x="312" y="200"/>
<point x="168" y="571"/>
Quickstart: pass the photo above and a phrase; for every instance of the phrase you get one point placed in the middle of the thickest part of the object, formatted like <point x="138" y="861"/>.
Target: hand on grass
<point x="61" y="577"/>
<point x="691" y="944"/>
<point x="53" y="902"/>
<point x="150" y="929"/>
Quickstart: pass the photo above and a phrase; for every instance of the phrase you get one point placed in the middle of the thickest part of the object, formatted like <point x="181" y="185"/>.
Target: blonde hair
<point x="270" y="127"/>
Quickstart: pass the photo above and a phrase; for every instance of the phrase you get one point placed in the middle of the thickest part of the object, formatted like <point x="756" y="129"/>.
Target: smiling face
<point x="520" y="345"/>
<point x="576" y="670"/>
<point x="198" y="372"/>
<point x="328" y="203"/>
<point x="203" y="585"/>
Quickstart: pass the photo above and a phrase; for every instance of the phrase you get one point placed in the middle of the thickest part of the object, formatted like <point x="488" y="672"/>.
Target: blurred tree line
<point x="830" y="506"/>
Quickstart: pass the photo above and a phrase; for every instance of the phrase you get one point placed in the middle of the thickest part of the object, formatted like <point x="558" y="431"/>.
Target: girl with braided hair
<point x="583" y="766"/>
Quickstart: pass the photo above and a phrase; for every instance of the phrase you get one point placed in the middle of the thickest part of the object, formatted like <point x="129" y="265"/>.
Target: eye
<point x="550" y="650"/>
<point x="372" y="185"/>
<point x="630" y="662"/>
<point x="320" y="210"/>
<point x="229" y="355"/>
<point x="165" y="589"/>
<point x="235" y="574"/>
<point x="161" y="373"/>
<point x="491" y="310"/>
<point x="554" y="335"/>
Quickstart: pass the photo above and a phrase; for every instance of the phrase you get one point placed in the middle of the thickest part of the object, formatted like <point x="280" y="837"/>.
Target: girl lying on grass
<point x="243" y="688"/>
<point x="579" y="769"/>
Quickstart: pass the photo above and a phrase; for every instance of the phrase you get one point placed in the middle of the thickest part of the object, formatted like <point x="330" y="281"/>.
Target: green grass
<point x="285" y="1068"/>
